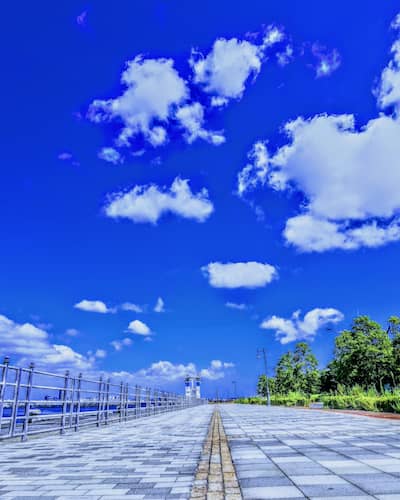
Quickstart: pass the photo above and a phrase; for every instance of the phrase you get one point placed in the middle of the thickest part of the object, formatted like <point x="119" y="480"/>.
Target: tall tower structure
<point x="198" y="388"/>
<point x="188" y="387"/>
<point x="192" y="387"/>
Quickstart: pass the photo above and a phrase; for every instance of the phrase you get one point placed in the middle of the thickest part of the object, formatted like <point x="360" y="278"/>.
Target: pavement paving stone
<point x="155" y="457"/>
<point x="318" y="455"/>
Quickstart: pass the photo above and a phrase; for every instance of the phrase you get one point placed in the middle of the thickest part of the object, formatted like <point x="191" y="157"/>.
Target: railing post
<point x="27" y="405"/>
<point x="3" y="384"/>
<point x="99" y="401"/>
<point x="64" y="402"/>
<point x="107" y="401"/>
<point x="78" y="402"/>
<point x="155" y="396"/>
<point x="15" y="403"/>
<point x="148" y="401"/>
<point x="121" y="400"/>
<point x="126" y="401"/>
<point x="137" y="401"/>
<point x="72" y="402"/>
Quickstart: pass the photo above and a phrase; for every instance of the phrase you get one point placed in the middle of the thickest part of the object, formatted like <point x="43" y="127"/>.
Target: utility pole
<point x="263" y="353"/>
<point x="234" y="389"/>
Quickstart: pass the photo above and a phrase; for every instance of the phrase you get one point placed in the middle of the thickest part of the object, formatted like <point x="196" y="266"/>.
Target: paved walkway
<point x="276" y="453"/>
<point x="154" y="457"/>
<point x="290" y="453"/>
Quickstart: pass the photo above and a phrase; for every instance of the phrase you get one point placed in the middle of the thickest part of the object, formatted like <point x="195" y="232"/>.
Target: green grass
<point x="354" y="398"/>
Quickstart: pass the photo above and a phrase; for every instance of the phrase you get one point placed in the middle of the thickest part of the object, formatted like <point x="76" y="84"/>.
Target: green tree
<point x="298" y="371"/>
<point x="363" y="355"/>
<point x="394" y="333"/>
<point x="262" y="385"/>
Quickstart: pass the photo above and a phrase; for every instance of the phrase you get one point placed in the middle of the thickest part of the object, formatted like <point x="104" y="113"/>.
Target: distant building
<point x="192" y="387"/>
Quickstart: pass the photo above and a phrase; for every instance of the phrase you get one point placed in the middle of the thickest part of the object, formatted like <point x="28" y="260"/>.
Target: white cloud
<point x="111" y="155"/>
<point x="139" y="328"/>
<point x="149" y="203"/>
<point x="153" y="90"/>
<point x="272" y="36"/>
<point x="227" y="67"/>
<point x="311" y="234"/>
<point x="328" y="60"/>
<point x="167" y="371"/>
<point x="389" y="89"/>
<point x="159" y="307"/>
<point x="289" y="330"/>
<point x="234" y="305"/>
<point x="93" y="306"/>
<point x="72" y="332"/>
<point x="129" y="306"/>
<point x="119" y="344"/>
<point x="191" y="118"/>
<point x="30" y="343"/>
<point x="239" y="274"/>
<point x="396" y="22"/>
<point x="255" y="172"/>
<point x="100" y="353"/>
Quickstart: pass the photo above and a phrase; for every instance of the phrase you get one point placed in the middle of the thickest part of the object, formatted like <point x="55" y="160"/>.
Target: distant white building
<point x="192" y="387"/>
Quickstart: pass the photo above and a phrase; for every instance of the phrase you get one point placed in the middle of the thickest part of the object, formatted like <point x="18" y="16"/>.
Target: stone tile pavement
<point x="154" y="457"/>
<point x="292" y="453"/>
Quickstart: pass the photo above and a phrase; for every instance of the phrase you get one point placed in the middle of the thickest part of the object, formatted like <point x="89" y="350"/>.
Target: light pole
<point x="263" y="353"/>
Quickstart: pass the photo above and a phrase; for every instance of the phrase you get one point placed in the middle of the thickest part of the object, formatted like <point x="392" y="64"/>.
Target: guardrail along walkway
<point x="34" y="402"/>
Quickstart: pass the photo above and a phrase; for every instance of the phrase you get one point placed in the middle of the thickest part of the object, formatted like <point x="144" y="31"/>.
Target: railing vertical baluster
<point x="27" y="405"/>
<point x="121" y="400"/>
<point x="3" y="386"/>
<point x="148" y="401"/>
<point x="72" y="402"/>
<point x="15" y="403"/>
<point x="126" y="401"/>
<point x="78" y="402"/>
<point x="107" y="401"/>
<point x="64" y="402"/>
<point x="99" y="393"/>
<point x="137" y="401"/>
<point x="155" y="401"/>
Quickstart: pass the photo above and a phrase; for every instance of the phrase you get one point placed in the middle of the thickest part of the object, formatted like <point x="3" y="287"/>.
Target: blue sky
<point x="240" y="162"/>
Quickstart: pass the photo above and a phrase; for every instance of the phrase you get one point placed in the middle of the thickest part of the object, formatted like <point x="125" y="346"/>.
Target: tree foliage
<point x="365" y="356"/>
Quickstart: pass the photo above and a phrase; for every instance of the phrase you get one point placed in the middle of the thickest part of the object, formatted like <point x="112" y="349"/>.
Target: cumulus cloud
<point x="29" y="343"/>
<point x="153" y="88"/>
<point x="227" y="67"/>
<point x="160" y="306"/>
<point x="348" y="174"/>
<point x="149" y="203"/>
<point x="234" y="305"/>
<point x="167" y="371"/>
<point x="93" y="306"/>
<point x="239" y="274"/>
<point x="139" y="328"/>
<point x="120" y="344"/>
<point x="295" y="328"/>
<point x="111" y="155"/>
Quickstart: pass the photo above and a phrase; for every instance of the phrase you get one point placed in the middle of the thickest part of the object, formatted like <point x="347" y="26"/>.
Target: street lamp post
<point x="262" y="353"/>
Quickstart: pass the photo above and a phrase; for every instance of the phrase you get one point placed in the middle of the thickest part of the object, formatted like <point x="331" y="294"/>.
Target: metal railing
<point x="34" y="402"/>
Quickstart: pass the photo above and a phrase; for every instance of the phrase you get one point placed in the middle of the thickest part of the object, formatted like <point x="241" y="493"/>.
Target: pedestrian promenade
<point x="209" y="452"/>
<point x="293" y="453"/>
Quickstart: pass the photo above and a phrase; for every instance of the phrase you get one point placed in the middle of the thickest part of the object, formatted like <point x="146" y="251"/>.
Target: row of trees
<point x="366" y="355"/>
